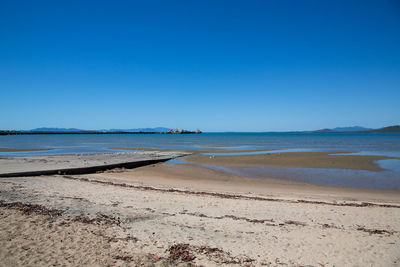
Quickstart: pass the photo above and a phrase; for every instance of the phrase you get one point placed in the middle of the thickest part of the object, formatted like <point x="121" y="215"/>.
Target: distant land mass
<point x="48" y="130"/>
<point x="351" y="129"/>
<point x="156" y="129"/>
<point x="389" y="129"/>
<point x="44" y="129"/>
<point x="360" y="129"/>
<point x="143" y="130"/>
<point x="164" y="130"/>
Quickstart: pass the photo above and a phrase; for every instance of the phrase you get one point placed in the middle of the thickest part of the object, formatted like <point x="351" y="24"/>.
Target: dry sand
<point x="179" y="214"/>
<point x="106" y="223"/>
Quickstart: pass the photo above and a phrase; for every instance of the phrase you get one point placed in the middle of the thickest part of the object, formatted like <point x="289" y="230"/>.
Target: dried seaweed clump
<point x="181" y="252"/>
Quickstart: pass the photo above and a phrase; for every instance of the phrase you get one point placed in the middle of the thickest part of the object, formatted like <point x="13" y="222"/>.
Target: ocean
<point x="382" y="143"/>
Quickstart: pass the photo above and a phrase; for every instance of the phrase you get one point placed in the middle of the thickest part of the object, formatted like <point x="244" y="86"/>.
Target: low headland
<point x="358" y="129"/>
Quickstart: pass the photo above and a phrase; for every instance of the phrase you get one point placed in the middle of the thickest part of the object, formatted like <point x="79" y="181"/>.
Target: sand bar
<point x="294" y="159"/>
<point x="191" y="151"/>
<point x="317" y="159"/>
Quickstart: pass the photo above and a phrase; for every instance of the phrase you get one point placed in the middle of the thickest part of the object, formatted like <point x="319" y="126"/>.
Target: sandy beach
<point x="181" y="214"/>
<point x="200" y="133"/>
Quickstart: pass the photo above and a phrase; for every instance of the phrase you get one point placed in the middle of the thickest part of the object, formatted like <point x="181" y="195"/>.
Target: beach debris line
<point x="101" y="219"/>
<point x="187" y="253"/>
<point x="28" y="208"/>
<point x="375" y="231"/>
<point x="231" y="196"/>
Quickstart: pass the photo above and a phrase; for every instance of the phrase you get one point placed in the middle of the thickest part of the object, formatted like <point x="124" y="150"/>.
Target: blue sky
<point x="213" y="65"/>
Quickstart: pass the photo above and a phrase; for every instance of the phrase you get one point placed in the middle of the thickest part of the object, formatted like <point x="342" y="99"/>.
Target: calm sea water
<point x="359" y="143"/>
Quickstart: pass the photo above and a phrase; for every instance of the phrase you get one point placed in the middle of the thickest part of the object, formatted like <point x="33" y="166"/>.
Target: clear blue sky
<point x="214" y="65"/>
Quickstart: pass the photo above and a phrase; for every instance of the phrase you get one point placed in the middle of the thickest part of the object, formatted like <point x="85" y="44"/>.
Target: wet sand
<point x="319" y="159"/>
<point x="192" y="177"/>
<point x="294" y="160"/>
<point x="190" y="151"/>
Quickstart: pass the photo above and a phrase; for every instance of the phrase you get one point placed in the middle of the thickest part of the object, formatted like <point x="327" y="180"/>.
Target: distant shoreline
<point x="186" y="132"/>
<point x="86" y="132"/>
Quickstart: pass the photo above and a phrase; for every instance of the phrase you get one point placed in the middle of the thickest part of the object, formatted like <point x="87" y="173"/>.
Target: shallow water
<point x="372" y="153"/>
<point x="262" y="152"/>
<point x="381" y="144"/>
<point x="78" y="143"/>
<point x="389" y="178"/>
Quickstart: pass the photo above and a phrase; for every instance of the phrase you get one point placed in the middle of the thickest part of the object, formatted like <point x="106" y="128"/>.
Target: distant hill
<point x="351" y="129"/>
<point x="389" y="129"/>
<point x="344" y="129"/>
<point x="326" y="130"/>
<point x="44" y="129"/>
<point x="359" y="129"/>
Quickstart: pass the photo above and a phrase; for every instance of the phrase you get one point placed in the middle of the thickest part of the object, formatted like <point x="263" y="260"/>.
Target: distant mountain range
<point x="355" y="129"/>
<point x="44" y="129"/>
<point x="359" y="129"/>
